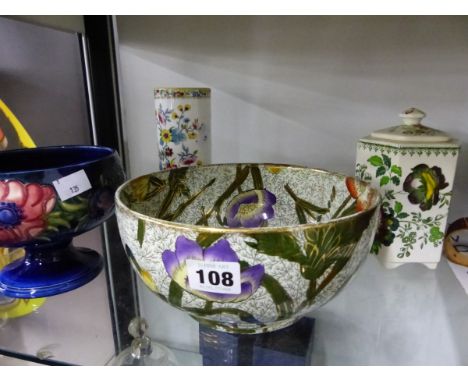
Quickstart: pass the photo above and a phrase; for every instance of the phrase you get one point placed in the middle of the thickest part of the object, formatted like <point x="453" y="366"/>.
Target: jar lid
<point x="412" y="131"/>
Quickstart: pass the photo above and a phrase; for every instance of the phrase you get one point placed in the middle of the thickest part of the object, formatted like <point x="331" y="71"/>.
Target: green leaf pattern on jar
<point x="410" y="227"/>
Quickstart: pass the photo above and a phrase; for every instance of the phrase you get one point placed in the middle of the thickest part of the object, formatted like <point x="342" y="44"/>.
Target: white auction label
<point x="72" y="185"/>
<point x="214" y="276"/>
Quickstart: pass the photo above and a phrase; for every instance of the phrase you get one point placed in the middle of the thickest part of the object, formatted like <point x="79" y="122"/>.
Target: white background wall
<point x="70" y="23"/>
<point x="298" y="89"/>
<point x="42" y="82"/>
<point x="303" y="90"/>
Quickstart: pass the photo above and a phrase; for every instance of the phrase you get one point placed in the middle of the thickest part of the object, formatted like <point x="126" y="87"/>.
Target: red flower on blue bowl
<point x="176" y="268"/>
<point x="23" y="210"/>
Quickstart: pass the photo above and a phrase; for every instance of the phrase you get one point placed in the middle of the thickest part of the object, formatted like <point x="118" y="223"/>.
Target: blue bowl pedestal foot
<point x="50" y="269"/>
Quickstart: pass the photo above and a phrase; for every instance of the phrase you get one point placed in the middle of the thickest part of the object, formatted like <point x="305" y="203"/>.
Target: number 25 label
<point x="214" y="276"/>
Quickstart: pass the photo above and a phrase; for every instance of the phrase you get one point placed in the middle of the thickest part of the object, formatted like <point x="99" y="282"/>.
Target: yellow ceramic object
<point x="13" y="308"/>
<point x="23" y="136"/>
<point x="20" y="307"/>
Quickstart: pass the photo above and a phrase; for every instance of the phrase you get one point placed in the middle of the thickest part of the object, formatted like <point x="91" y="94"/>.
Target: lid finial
<point x="412" y="116"/>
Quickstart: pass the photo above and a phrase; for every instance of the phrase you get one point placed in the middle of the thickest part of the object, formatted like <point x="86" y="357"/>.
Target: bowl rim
<point x="110" y="151"/>
<point x="227" y="230"/>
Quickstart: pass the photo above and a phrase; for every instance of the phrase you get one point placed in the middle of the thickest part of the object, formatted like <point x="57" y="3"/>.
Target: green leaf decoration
<point x="337" y="267"/>
<point x="395" y="180"/>
<point x="309" y="207"/>
<point x="329" y="239"/>
<point x="333" y="194"/>
<point x="341" y="207"/>
<point x="181" y="208"/>
<point x="141" y="231"/>
<point x="328" y="250"/>
<point x="384" y="180"/>
<point x="133" y="261"/>
<point x="304" y="207"/>
<point x="332" y="197"/>
<point x="256" y="177"/>
<point x="387" y="161"/>
<point x="380" y="171"/>
<point x="175" y="293"/>
<point x="126" y="198"/>
<point x="139" y="188"/>
<point x="177" y="186"/>
<point x="58" y="222"/>
<point x="283" y="302"/>
<point x="349" y="211"/>
<point x="281" y="245"/>
<point x="398" y="207"/>
<point x="375" y="161"/>
<point x="375" y="247"/>
<point x="323" y="241"/>
<point x="311" y="292"/>
<point x="301" y="217"/>
<point x="241" y="176"/>
<point x="402" y="215"/>
<point x="206" y="239"/>
<point x="142" y="189"/>
<point x="396" y="170"/>
<point x="390" y="194"/>
<point x="72" y="213"/>
<point x="435" y="235"/>
<point x="74" y="207"/>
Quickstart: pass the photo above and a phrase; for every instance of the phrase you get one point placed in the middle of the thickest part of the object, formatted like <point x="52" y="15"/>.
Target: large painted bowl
<point x="246" y="248"/>
<point x="48" y="196"/>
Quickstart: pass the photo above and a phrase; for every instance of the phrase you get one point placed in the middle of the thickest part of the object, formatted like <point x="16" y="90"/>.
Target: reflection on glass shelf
<point x="407" y="316"/>
<point x="74" y="327"/>
<point x="290" y="346"/>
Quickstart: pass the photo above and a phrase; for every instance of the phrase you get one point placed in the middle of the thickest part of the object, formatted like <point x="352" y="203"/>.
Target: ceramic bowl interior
<point x="229" y="196"/>
<point x="297" y="234"/>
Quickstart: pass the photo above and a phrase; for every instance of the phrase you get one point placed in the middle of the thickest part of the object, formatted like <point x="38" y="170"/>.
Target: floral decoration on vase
<point x="182" y="120"/>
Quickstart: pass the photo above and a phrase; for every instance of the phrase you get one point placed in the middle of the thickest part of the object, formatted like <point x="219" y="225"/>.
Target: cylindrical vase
<point x="183" y="119"/>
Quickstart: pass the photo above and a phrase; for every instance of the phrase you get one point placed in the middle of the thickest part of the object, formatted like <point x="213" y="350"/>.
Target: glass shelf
<point x="383" y="317"/>
<point x="72" y="328"/>
<point x="398" y="317"/>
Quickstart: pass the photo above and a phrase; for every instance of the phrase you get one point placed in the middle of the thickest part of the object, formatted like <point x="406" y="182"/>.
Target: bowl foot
<point x="246" y="328"/>
<point x="48" y="270"/>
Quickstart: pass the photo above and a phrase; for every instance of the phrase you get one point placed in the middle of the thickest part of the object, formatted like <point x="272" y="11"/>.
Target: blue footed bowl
<point x="49" y="195"/>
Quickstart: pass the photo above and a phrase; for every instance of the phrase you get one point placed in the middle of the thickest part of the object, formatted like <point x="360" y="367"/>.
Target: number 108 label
<point x="214" y="276"/>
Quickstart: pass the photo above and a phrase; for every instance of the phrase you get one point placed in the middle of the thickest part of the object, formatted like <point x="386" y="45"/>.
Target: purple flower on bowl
<point x="176" y="268"/>
<point x="250" y="209"/>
